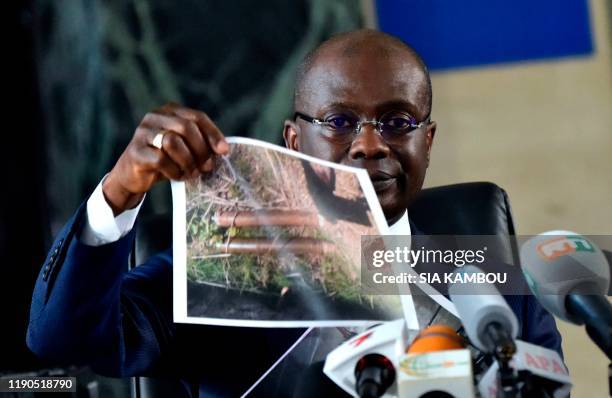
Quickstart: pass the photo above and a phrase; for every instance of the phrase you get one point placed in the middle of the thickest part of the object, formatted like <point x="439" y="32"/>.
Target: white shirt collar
<point x="401" y="226"/>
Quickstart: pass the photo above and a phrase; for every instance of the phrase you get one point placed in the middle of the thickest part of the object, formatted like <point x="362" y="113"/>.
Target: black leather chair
<point x="478" y="208"/>
<point x="475" y="208"/>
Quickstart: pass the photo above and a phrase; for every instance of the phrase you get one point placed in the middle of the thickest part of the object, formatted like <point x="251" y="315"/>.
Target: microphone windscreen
<point x="480" y="304"/>
<point x="436" y="338"/>
<point x="558" y="263"/>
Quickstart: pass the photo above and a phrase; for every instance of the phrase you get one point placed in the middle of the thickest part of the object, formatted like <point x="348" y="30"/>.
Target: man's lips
<point x="382" y="180"/>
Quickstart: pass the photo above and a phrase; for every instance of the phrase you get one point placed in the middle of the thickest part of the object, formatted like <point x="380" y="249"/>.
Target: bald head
<point x="355" y="46"/>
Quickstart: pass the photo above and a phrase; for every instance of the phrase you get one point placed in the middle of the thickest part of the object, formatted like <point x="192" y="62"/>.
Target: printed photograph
<point x="275" y="237"/>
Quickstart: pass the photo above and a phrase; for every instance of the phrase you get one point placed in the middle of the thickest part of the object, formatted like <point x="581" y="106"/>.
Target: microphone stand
<point x="504" y="349"/>
<point x="513" y="384"/>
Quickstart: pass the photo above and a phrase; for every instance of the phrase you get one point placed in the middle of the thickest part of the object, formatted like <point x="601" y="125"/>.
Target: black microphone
<point x="374" y="374"/>
<point x="596" y="313"/>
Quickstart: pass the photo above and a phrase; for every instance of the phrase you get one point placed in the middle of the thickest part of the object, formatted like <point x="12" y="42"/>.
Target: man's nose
<point x="369" y="144"/>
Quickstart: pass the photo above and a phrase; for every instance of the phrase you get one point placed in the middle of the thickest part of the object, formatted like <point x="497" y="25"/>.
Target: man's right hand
<point x="189" y="145"/>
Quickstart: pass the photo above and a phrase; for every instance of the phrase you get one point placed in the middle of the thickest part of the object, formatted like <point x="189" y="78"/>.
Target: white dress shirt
<point x="101" y="226"/>
<point x="401" y="226"/>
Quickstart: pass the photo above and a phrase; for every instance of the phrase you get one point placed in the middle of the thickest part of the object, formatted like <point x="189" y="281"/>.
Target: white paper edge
<point x="179" y="252"/>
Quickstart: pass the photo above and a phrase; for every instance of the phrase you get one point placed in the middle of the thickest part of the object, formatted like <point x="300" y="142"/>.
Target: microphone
<point x="366" y="364"/>
<point x="489" y="323"/>
<point x="436" y="338"/>
<point x="521" y="369"/>
<point x="436" y="364"/>
<point x="374" y="374"/>
<point x="379" y="362"/>
<point x="487" y="318"/>
<point x="570" y="276"/>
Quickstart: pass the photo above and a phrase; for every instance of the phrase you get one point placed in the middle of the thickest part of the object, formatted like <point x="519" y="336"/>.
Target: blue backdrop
<point x="461" y="33"/>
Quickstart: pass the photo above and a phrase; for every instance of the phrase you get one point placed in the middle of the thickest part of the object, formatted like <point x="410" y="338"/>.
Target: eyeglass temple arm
<point x="306" y="117"/>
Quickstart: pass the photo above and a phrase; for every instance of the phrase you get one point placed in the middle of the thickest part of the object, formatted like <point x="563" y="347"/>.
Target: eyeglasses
<point x="393" y="126"/>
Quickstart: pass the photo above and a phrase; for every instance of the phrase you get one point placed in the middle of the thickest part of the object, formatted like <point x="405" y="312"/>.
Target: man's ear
<point x="291" y="132"/>
<point x="431" y="133"/>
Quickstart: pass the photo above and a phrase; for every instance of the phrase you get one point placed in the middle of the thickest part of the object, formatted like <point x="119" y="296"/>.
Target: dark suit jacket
<point x="87" y="309"/>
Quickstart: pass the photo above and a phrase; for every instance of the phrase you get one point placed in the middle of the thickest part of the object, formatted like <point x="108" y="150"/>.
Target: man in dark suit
<point x="362" y="99"/>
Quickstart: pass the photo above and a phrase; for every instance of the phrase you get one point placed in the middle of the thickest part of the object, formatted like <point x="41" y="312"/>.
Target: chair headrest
<point x="475" y="208"/>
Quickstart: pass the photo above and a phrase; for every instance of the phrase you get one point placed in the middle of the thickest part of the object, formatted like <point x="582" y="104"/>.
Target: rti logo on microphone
<point x="561" y="245"/>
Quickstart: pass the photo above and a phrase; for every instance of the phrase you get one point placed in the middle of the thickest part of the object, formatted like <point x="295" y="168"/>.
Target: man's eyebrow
<point x="394" y="104"/>
<point x="398" y="104"/>
<point x="341" y="105"/>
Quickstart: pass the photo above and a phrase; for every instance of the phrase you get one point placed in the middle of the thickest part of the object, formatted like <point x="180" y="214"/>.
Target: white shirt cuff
<point x="101" y="226"/>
